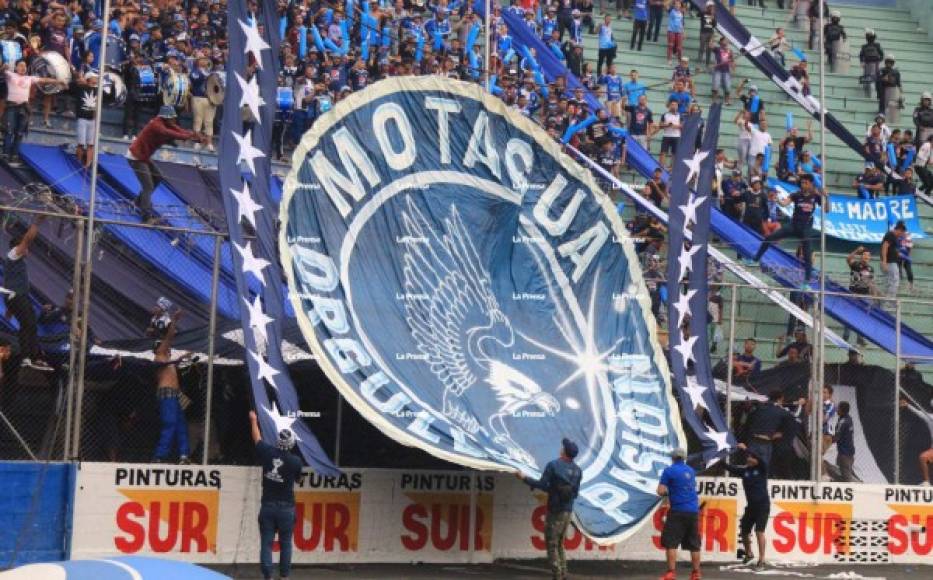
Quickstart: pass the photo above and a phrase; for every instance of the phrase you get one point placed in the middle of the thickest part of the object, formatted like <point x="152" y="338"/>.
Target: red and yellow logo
<point x="168" y="521"/>
<point x="327" y="520"/>
<point x="442" y="520"/>
<point x="811" y="527"/>
<point x="910" y="529"/>
<point x="717" y="524"/>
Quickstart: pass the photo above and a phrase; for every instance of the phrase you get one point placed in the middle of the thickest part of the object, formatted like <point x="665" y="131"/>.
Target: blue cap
<point x="167" y="112"/>
<point x="98" y="24"/>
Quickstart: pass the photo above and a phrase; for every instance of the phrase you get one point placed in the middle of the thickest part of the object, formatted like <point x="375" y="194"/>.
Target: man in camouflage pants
<point x="561" y="481"/>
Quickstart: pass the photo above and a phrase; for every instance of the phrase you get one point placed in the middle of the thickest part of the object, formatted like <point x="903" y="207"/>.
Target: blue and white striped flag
<point x="688" y="291"/>
<point x="245" y="167"/>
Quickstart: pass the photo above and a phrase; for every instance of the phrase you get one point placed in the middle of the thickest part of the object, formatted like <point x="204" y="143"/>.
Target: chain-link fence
<point x="772" y="337"/>
<point x="151" y="283"/>
<point x="108" y="403"/>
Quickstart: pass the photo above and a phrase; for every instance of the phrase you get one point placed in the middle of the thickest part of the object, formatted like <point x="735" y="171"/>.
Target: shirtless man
<point x="168" y="391"/>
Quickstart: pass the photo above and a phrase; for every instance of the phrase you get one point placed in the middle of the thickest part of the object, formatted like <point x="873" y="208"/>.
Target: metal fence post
<point x="897" y="392"/>
<point x="338" y="442"/>
<point x="731" y="353"/>
<point x="89" y="242"/>
<point x="73" y="343"/>
<point x="474" y="483"/>
<point x="211" y="331"/>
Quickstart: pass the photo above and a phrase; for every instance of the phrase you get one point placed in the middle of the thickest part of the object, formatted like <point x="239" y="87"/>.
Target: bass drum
<point x="216" y="87"/>
<point x="114" y="89"/>
<point x="144" y="81"/>
<point x="51" y="65"/>
<point x="116" y="53"/>
<point x="175" y="88"/>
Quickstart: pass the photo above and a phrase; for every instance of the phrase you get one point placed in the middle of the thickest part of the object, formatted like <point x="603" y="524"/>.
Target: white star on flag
<point x="281" y="421"/>
<point x="251" y="96"/>
<point x="695" y="391"/>
<point x="685" y="259"/>
<point x="254" y="41"/>
<point x="694" y="164"/>
<point x="265" y="371"/>
<point x="690" y="210"/>
<point x="682" y="306"/>
<point x="258" y="320"/>
<point x="685" y="349"/>
<point x="247" y="151"/>
<point x="250" y="262"/>
<point x="246" y="207"/>
<point x="720" y="438"/>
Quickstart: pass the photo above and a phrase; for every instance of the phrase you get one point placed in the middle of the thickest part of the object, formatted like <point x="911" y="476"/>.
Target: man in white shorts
<point x="84" y="90"/>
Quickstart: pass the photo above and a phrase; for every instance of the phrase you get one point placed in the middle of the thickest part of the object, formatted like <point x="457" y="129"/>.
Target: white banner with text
<point x="208" y="515"/>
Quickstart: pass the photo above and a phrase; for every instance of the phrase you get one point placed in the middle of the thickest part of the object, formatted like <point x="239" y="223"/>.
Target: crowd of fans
<point x="167" y="51"/>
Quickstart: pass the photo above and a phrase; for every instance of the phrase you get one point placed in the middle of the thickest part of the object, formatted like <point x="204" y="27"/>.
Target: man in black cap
<point x="561" y="481"/>
<point x="754" y="476"/>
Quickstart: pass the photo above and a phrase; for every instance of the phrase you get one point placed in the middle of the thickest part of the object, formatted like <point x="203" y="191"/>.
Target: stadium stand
<point x="183" y="31"/>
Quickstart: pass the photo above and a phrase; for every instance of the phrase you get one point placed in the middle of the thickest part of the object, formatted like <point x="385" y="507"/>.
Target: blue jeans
<point x="16" y="122"/>
<point x="763" y="449"/>
<point x="174" y="427"/>
<point x="799" y="232"/>
<point x="276" y="516"/>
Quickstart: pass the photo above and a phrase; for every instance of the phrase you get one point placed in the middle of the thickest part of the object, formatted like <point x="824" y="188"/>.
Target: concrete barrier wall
<point x="209" y="515"/>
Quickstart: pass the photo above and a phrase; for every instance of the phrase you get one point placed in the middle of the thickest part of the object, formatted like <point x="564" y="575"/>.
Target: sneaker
<point x="183" y="460"/>
<point x="696" y="575"/>
<point x="210" y="147"/>
<point x="126" y="137"/>
<point x="760" y="565"/>
<point x="48" y="124"/>
<point x="748" y="558"/>
<point x="39" y="365"/>
<point x="669" y="576"/>
<point x="197" y="146"/>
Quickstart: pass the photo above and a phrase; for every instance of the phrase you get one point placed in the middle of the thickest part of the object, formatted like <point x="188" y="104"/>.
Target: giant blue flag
<point x="244" y="178"/>
<point x="688" y="288"/>
<point x="472" y="292"/>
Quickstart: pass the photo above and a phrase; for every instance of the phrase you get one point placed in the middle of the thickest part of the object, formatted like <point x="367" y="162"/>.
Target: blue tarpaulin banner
<point x="867" y="220"/>
<point x="472" y="293"/>
<point x="35" y="508"/>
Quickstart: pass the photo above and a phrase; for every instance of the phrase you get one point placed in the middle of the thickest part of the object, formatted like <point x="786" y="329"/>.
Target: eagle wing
<point x="447" y="293"/>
